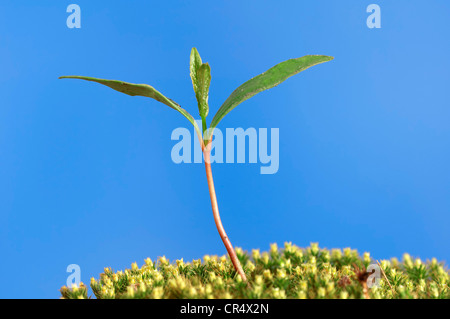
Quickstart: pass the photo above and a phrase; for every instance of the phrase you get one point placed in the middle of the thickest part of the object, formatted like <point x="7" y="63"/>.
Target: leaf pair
<point x="201" y="79"/>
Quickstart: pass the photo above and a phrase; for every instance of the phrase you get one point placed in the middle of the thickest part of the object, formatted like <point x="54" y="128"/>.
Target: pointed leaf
<point x="195" y="63"/>
<point x="203" y="81"/>
<point x="138" y="90"/>
<point x="265" y="81"/>
<point x="201" y="78"/>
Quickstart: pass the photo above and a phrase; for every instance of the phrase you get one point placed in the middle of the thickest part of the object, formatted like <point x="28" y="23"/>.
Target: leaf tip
<point x="194" y="51"/>
<point x="67" y="77"/>
<point x="326" y="58"/>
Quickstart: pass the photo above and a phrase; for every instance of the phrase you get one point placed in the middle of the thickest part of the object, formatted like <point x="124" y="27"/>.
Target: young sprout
<point x="201" y="78"/>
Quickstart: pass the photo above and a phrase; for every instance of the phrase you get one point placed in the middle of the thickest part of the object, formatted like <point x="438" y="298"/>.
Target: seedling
<point x="201" y="78"/>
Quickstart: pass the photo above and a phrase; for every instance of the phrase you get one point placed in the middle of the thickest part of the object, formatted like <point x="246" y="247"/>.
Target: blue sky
<point x="86" y="175"/>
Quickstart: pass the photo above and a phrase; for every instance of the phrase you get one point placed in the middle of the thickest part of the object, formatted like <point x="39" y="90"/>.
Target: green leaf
<point x="203" y="81"/>
<point x="195" y="63"/>
<point x="138" y="90"/>
<point x="265" y="81"/>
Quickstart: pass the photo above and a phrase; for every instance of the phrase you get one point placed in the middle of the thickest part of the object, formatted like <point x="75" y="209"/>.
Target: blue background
<point x="86" y="175"/>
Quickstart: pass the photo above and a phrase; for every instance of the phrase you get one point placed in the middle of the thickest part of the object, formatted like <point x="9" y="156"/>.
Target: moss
<point x="291" y="272"/>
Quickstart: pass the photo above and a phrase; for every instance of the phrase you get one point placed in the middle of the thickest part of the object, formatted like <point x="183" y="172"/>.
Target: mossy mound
<point x="290" y="272"/>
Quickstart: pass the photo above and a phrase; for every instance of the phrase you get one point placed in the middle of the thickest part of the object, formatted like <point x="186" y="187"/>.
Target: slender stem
<point x="215" y="209"/>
